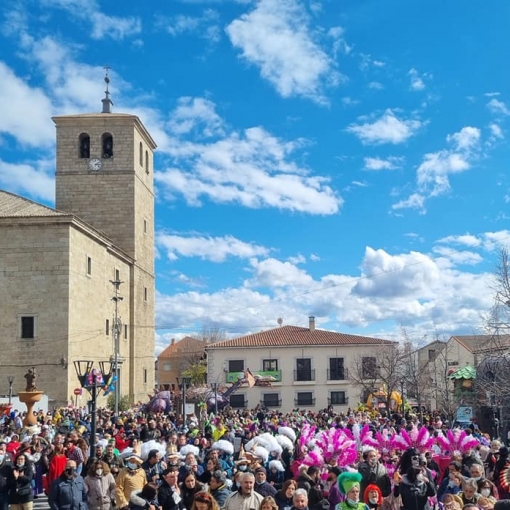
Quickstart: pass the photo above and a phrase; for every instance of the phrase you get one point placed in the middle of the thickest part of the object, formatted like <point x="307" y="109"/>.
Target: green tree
<point x="124" y="403"/>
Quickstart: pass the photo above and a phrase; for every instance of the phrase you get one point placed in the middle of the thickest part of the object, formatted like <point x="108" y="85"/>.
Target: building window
<point x="117" y="275"/>
<point x="107" y="144"/>
<point x="368" y="367"/>
<point x="27" y="326"/>
<point x="89" y="266"/>
<point x="337" y="371"/>
<point x="145" y="294"/>
<point x="144" y="226"/>
<point x="125" y="331"/>
<point x="147" y="169"/>
<point x="304" y="370"/>
<point x="84" y="145"/>
<point x="269" y="365"/>
<point x="144" y="376"/>
<point x="432" y="354"/>
<point x="237" y="401"/>
<point x="304" y="398"/>
<point x="271" y="400"/>
<point x="236" y="365"/>
<point x="141" y="154"/>
<point x="107" y="327"/>
<point x="338" y="398"/>
<point x="167" y="367"/>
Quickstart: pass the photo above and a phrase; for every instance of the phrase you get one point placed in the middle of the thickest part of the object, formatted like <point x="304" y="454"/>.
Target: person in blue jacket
<point x="68" y="491"/>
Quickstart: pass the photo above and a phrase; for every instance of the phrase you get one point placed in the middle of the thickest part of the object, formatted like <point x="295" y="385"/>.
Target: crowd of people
<point x="250" y="461"/>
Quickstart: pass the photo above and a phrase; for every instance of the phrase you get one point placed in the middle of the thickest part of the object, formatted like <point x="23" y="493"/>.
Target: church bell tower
<point x="105" y="176"/>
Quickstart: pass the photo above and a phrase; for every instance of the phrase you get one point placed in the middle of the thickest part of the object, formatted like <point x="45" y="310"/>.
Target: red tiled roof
<point x="187" y="344"/>
<point x="291" y="336"/>
<point x="477" y="343"/>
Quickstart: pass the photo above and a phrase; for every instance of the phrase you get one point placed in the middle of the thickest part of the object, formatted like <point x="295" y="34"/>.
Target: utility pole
<point x="116" y="328"/>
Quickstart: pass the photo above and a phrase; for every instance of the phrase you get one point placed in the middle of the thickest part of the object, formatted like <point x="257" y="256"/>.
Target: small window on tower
<point x="147" y="162"/>
<point x="84" y="145"/>
<point x="107" y="146"/>
<point x="141" y="154"/>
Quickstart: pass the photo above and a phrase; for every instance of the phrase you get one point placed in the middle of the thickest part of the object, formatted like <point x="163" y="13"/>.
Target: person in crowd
<point x="450" y="484"/>
<point x="212" y="464"/>
<point x="218" y="487"/>
<point x="189" y="487"/>
<point x="308" y="477"/>
<point x="488" y="490"/>
<point x="349" y="484"/>
<point x="300" y="499"/>
<point x="283" y="497"/>
<point x="145" y="498"/>
<point x="57" y="460"/>
<point x="75" y="453"/>
<point x="114" y="461"/>
<point x="68" y="491"/>
<point x="415" y="489"/>
<point x="245" y="498"/>
<point x="451" y="502"/>
<point x="21" y="495"/>
<point x="485" y="503"/>
<point x="5" y="474"/>
<point x="262" y="486"/>
<point x="204" y="501"/>
<point x="154" y="467"/>
<point x="268" y="503"/>
<point x="373" y="497"/>
<point x="169" y="493"/>
<point x="469" y="493"/>
<point x="190" y="465"/>
<point x="317" y="500"/>
<point x="373" y="472"/>
<point x="101" y="486"/>
<point x="131" y="478"/>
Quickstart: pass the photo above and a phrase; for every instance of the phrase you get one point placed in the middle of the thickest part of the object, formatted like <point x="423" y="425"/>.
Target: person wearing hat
<point x="218" y="487"/>
<point x="262" y="486"/>
<point x="349" y="485"/>
<point x="130" y="478"/>
<point x="414" y="488"/>
<point x="242" y="464"/>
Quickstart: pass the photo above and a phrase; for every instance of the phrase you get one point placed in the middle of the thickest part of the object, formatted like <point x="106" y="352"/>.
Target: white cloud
<point x="390" y="163"/>
<point x="494" y="240"/>
<point x="387" y="129"/>
<point x="465" y="240"/>
<point x="196" y="115"/>
<point x="414" y="201"/>
<point x="204" y="25"/>
<point x="467" y="139"/>
<point x="375" y="85"/>
<point x="496" y="131"/>
<point x="36" y="180"/>
<point x="252" y="168"/>
<point x="498" y="107"/>
<point x="417" y="82"/>
<point x="25" y="111"/>
<point x="275" y="37"/>
<point x="455" y="257"/>
<point x="275" y="273"/>
<point x="103" y="26"/>
<point x="215" y="249"/>
<point x="349" y="101"/>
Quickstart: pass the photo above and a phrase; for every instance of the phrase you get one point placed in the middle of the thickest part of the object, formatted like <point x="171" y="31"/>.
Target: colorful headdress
<point x="347" y="480"/>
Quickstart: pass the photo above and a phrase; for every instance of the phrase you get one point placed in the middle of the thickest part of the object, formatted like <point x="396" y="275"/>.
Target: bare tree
<point x="379" y="369"/>
<point x="210" y="334"/>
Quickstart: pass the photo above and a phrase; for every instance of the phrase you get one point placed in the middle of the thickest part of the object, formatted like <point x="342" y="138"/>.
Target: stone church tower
<point x="104" y="175"/>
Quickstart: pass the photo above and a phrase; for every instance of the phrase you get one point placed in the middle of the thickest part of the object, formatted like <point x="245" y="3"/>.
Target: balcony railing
<point x="239" y="404"/>
<point x="304" y="375"/>
<point x="338" y="401"/>
<point x="338" y="375"/>
<point x="304" y="402"/>
<point x="271" y="403"/>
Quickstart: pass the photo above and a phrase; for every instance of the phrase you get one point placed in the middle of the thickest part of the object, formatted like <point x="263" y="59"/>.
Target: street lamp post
<point x="402" y="382"/>
<point x="183" y="384"/>
<point x="93" y="380"/>
<point x="10" y="378"/>
<point x="215" y="388"/>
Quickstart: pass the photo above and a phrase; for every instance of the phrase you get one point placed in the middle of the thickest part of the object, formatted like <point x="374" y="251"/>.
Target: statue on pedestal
<point x="31" y="377"/>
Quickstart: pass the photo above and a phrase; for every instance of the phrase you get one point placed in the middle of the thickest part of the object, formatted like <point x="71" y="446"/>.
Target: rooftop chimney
<point x="311" y="323"/>
<point x="172" y="342"/>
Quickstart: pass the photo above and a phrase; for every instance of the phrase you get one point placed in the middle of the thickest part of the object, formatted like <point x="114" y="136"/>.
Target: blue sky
<point x="343" y="159"/>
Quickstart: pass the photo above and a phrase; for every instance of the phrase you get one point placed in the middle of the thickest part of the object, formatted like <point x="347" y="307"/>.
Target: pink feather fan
<point x="337" y="445"/>
<point x="420" y="440"/>
<point x="456" y="441"/>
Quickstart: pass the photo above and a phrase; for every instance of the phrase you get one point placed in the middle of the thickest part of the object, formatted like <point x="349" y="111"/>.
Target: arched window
<point x="84" y="145"/>
<point x="107" y="143"/>
<point x="141" y="154"/>
<point x="147" y="161"/>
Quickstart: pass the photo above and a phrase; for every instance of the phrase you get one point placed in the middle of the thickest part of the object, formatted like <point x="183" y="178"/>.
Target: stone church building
<point x="58" y="267"/>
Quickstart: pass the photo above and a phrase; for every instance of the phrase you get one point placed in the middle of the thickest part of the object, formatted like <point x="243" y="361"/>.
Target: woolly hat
<point x="347" y="480"/>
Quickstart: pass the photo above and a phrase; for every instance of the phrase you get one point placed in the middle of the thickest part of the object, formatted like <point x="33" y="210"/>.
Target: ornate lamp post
<point x="93" y="380"/>
<point x="10" y="378"/>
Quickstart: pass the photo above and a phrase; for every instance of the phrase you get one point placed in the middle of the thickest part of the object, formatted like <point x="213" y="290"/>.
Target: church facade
<point x="59" y="268"/>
